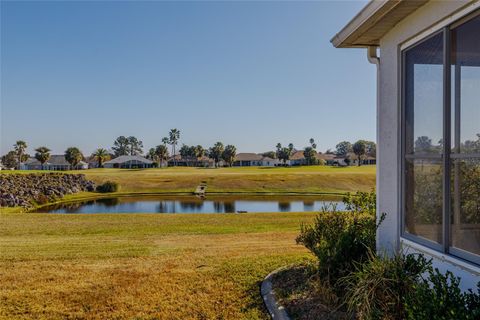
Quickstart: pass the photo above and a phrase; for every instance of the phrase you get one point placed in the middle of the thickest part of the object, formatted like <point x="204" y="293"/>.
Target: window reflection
<point x="423" y="199"/>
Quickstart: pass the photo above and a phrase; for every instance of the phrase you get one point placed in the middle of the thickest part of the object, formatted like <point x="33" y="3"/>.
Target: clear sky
<point x="245" y="73"/>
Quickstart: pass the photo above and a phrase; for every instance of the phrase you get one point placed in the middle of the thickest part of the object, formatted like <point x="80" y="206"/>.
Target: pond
<point x="191" y="204"/>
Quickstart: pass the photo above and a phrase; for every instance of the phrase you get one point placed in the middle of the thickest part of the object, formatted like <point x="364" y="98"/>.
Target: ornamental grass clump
<point x="108" y="186"/>
<point x="379" y="287"/>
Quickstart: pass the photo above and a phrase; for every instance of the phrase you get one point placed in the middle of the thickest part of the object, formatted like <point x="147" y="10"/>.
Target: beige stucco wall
<point x="388" y="131"/>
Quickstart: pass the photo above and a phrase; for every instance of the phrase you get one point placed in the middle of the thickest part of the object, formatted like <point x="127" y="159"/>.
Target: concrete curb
<point x="275" y="310"/>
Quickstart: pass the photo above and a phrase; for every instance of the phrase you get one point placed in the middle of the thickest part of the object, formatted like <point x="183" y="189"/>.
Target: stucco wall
<point x="388" y="126"/>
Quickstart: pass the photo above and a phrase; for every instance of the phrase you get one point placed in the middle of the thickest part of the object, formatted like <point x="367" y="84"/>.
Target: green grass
<point x="142" y="266"/>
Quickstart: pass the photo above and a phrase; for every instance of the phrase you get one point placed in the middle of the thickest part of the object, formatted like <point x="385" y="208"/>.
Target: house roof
<point x="373" y="22"/>
<point x="248" y="157"/>
<point x="55" y="159"/>
<point x="123" y="159"/>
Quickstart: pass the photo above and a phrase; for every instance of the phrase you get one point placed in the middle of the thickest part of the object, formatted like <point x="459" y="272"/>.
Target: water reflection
<point x="192" y="205"/>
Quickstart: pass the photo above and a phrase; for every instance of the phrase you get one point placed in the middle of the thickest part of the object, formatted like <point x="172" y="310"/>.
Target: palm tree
<point x="42" y="155"/>
<point x="73" y="155"/>
<point x="20" y="147"/>
<point x="162" y="153"/>
<point x="101" y="155"/>
<point x="174" y="136"/>
<point x="165" y="141"/>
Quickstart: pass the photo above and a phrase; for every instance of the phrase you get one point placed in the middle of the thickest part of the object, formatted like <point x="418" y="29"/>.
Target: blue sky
<point x="245" y="73"/>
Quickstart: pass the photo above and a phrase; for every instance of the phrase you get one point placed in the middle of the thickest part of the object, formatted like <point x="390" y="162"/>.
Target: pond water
<point x="194" y="205"/>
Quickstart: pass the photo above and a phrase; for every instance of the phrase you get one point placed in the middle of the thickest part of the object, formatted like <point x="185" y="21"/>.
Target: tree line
<point x="160" y="154"/>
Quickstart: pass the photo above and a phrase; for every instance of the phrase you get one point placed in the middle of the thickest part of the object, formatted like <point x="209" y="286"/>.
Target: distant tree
<point x="73" y="156"/>
<point x="42" y="154"/>
<point x="270" y="154"/>
<point x="216" y="152"/>
<point x="343" y="148"/>
<point x="279" y="149"/>
<point x="101" y="155"/>
<point x="187" y="153"/>
<point x="162" y="152"/>
<point x="151" y="154"/>
<point x="135" y="146"/>
<point x="284" y="154"/>
<point x="121" y="146"/>
<point x="329" y="151"/>
<point x="423" y="144"/>
<point x="472" y="146"/>
<point x="310" y="155"/>
<point x="10" y="160"/>
<point x="165" y="141"/>
<point x="199" y="152"/>
<point x="360" y="149"/>
<point x="173" y="137"/>
<point x="229" y="154"/>
<point x="20" y="147"/>
<point x="371" y="148"/>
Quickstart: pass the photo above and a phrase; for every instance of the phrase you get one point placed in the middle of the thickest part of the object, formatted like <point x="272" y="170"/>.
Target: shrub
<point x="108" y="186"/>
<point x="379" y="287"/>
<point x="338" y="239"/>
<point x="440" y="297"/>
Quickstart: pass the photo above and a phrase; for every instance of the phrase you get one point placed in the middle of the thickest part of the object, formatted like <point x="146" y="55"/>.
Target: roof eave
<point x="373" y="21"/>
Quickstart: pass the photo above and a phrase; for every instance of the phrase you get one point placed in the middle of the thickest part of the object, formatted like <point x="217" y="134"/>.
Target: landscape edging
<point x="275" y="310"/>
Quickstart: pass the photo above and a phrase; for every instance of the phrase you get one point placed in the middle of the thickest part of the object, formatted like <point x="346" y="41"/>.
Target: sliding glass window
<point x="441" y="140"/>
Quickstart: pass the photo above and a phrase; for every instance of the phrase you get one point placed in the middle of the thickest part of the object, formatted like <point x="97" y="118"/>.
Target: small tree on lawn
<point x="229" y="154"/>
<point x="310" y="155"/>
<point x="216" y="152"/>
<point x="359" y="148"/>
<point x="162" y="153"/>
<point x="73" y="156"/>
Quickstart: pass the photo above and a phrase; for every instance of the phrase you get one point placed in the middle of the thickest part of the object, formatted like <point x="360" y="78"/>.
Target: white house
<point x="253" y="159"/>
<point x="129" y="162"/>
<point x="427" y="55"/>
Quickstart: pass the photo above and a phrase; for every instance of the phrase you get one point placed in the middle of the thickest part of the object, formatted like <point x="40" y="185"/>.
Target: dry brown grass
<point x="141" y="266"/>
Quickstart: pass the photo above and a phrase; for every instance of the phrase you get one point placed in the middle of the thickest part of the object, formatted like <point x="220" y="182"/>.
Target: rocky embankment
<point x="26" y="190"/>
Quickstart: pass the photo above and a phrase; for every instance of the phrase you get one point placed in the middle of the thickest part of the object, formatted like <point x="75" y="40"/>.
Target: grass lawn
<point x="142" y="266"/>
<point x="159" y="266"/>
<point x="314" y="179"/>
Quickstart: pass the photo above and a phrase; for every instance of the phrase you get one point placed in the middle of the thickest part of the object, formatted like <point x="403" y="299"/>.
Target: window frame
<point x="447" y="156"/>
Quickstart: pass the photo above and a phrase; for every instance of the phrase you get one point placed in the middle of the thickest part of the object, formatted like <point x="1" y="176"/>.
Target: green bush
<point x="439" y="297"/>
<point x="108" y="186"/>
<point x="340" y="240"/>
<point x="378" y="288"/>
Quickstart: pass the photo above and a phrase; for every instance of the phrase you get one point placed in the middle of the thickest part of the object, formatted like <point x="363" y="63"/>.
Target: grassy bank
<point x="314" y="179"/>
<point x="142" y="266"/>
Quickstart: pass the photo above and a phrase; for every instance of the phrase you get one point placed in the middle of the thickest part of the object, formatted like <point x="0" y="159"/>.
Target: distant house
<point x="298" y="159"/>
<point x="129" y="162"/>
<point x="253" y="159"/>
<point x="56" y="163"/>
<point x="341" y="160"/>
